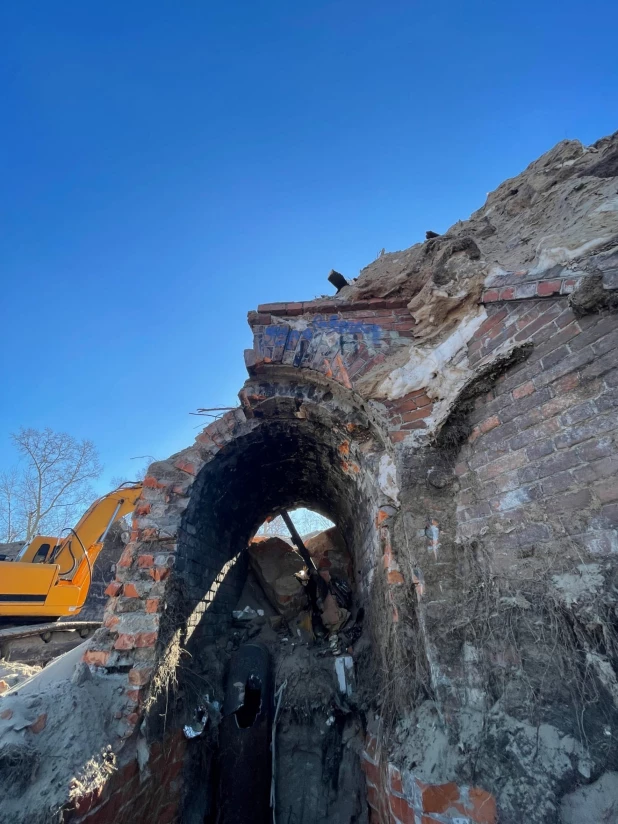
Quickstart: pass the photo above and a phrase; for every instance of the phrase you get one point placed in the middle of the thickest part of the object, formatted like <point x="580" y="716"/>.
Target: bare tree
<point x="50" y="487"/>
<point x="9" y="506"/>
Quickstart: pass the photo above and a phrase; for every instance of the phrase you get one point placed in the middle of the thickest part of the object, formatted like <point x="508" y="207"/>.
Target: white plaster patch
<point x="553" y="255"/>
<point x="387" y="478"/>
<point x="432" y="368"/>
<point x="610" y="205"/>
<point x="495" y="270"/>
<point x="579" y="585"/>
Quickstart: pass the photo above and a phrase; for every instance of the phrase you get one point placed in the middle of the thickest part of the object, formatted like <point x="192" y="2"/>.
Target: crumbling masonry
<point x="455" y="412"/>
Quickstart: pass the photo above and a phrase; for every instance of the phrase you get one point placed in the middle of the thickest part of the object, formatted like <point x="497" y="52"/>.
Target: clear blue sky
<point x="167" y="166"/>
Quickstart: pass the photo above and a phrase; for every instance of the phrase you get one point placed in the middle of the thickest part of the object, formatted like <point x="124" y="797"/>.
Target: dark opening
<point x="248" y="712"/>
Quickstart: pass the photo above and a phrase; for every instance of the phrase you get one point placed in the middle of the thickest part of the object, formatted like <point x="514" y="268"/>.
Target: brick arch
<point x="295" y="440"/>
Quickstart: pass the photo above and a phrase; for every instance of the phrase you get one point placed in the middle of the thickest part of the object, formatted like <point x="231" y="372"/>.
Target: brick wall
<point x="344" y="341"/>
<point x="137" y="797"/>
<point x="538" y="472"/>
<point x="398" y="797"/>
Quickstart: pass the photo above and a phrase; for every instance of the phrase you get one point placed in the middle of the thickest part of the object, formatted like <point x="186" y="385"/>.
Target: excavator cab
<point x="51" y="576"/>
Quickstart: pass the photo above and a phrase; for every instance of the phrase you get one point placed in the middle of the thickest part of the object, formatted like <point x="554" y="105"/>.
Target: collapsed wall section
<point x="457" y="418"/>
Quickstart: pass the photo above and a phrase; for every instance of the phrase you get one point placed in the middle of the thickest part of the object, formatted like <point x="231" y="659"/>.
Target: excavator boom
<point x="52" y="576"/>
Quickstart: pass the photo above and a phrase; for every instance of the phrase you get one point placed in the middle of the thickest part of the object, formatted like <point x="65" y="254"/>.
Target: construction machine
<point x="51" y="577"/>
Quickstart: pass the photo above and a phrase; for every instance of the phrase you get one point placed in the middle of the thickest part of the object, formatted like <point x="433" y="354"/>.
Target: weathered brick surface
<point x="153" y="795"/>
<point x="552" y="442"/>
<point x="398" y="797"/>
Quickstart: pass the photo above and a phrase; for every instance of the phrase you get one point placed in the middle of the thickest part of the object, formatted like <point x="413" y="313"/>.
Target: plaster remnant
<point x="387" y="478"/>
<point x="440" y="370"/>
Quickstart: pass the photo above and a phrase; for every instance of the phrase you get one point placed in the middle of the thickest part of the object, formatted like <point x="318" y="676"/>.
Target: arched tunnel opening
<point x="222" y="602"/>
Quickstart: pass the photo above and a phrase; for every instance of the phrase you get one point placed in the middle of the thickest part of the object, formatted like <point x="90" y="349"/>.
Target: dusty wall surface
<point x="454" y="412"/>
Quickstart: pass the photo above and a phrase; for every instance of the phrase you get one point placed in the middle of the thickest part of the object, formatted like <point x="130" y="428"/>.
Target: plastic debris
<point x="245" y="615"/>
<point x="344" y="668"/>
<point x="199" y="725"/>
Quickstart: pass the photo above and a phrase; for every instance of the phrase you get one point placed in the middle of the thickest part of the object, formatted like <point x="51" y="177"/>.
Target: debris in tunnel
<point x="275" y="564"/>
<point x="244" y="739"/>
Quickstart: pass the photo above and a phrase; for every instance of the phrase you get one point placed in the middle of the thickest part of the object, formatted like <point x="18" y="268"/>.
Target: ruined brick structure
<point x="457" y="419"/>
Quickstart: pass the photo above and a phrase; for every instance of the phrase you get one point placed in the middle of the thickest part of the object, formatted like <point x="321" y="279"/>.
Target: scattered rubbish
<point x="197" y="728"/>
<point x="342" y="592"/>
<point x="355" y="631"/>
<point x="344" y="668"/>
<point x="304" y="627"/>
<point x="337" y="280"/>
<point x="245" y="615"/>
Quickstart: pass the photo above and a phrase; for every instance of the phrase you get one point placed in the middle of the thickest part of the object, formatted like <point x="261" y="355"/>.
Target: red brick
<point x="159" y="573"/>
<point x="372" y="771"/>
<point x="484" y="806"/>
<point x="152" y="604"/>
<point x="548" y="287"/>
<point x="437" y="798"/>
<point x="508" y="293"/>
<point x="130" y="591"/>
<point x="138" y="676"/>
<point x="414" y="425"/>
<point x="126" y="559"/>
<point x="415" y="414"/>
<point x="567" y="383"/>
<point x="168" y="814"/>
<point x="490" y="296"/>
<point x="374" y="798"/>
<point x="474" y="435"/>
<point x="272" y="307"/>
<point x="489" y="423"/>
<point x="142" y="509"/>
<point x="113" y="589"/>
<point x="395" y="777"/>
<point x="186" y="466"/>
<point x="292" y="309"/>
<point x="402" y="810"/>
<point x="394" y="577"/>
<point x="423" y="400"/>
<point x="151" y="482"/>
<point x="371" y="748"/>
<point x="522" y="390"/>
<point x="39" y="725"/>
<point x="98" y="658"/>
<point x="145" y="561"/>
<point x="405" y="405"/>
<point x="145" y="639"/>
<point x="125" y="641"/>
<point x="397" y="437"/>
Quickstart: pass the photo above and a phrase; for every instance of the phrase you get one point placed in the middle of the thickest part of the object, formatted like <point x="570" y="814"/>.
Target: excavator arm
<point x="52" y="576"/>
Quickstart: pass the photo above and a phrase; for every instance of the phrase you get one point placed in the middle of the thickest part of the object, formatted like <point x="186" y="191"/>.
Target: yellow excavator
<point x="51" y="577"/>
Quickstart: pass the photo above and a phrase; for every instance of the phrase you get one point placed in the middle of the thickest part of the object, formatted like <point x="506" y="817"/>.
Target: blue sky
<point x="167" y="166"/>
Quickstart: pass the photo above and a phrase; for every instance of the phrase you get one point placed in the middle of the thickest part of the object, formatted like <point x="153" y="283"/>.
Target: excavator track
<point x="37" y="644"/>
